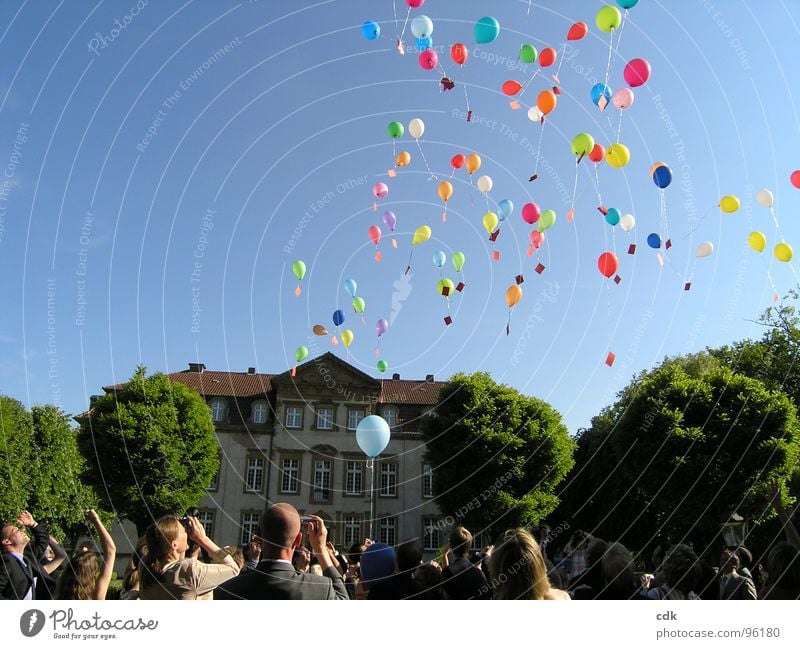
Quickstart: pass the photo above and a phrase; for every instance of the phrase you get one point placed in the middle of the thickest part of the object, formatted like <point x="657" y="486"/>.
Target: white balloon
<point x="626" y="222"/>
<point x="534" y="114"/>
<point x="705" y="249"/>
<point x="421" y="26"/>
<point x="416" y="127"/>
<point x="764" y="196"/>
<point x="485" y="184"/>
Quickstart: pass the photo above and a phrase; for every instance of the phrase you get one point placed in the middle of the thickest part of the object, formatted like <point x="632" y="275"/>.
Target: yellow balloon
<point x="347" y="337"/>
<point x="513" y="295"/>
<point x="757" y="241"/>
<point x="445" y="282"/>
<point x="445" y="190"/>
<point x="490" y="221"/>
<point x="783" y="252"/>
<point x="403" y="159"/>
<point x="729" y="204"/>
<point x="473" y="163"/>
<point x="618" y="155"/>
<point x="421" y="235"/>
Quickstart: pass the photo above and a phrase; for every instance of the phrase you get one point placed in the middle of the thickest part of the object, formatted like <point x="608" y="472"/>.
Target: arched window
<point x="219" y="410"/>
<point x="259" y="414"/>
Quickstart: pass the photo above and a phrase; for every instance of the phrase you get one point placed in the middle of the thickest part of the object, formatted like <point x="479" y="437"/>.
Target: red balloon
<point x="530" y="213"/>
<point x="458" y="160"/>
<point x="795" y="178"/>
<point x="608" y="264"/>
<point x="374" y="233"/>
<point x="597" y="153"/>
<point x="511" y="87"/>
<point x="415" y="4"/>
<point x="547" y="57"/>
<point x="637" y="72"/>
<point x="459" y="53"/>
<point x="428" y="59"/>
<point x="577" y="31"/>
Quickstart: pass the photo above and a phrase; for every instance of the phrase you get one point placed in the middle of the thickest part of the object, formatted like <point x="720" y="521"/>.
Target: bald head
<point x="280" y="530"/>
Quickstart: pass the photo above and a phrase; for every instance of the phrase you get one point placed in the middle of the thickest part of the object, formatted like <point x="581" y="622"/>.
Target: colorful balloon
<point x="506" y="208"/>
<point x="537" y="239"/>
<point x="381" y="327"/>
<point x="765" y="198"/>
<point x="458" y="260"/>
<point x="428" y="60"/>
<point x="445" y="190"/>
<point x="613" y="216"/>
<point x="627" y="4"/>
<point x="513" y="295"/>
<point x="534" y="114"/>
<point x="546" y="220"/>
<point x="350" y="286"/>
<point x="627" y="222"/>
<point x="705" y="249"/>
<point x="424" y="43"/>
<point x="622" y="98"/>
<point x="607" y="264"/>
<point x="372" y="436"/>
<point x="637" y="72"/>
<point x="347" y="337"/>
<point x="389" y="220"/>
<point x="662" y="176"/>
<point x="546" y="101"/>
<point x="608" y="18"/>
<point x="485" y="184"/>
<point x="338" y="317"/>
<point x="597" y="153"/>
<point x="473" y="163"/>
<point x="577" y="31"/>
<point x="359" y="304"/>
<point x="445" y="283"/>
<point x="511" y="87"/>
<point x="439" y="258"/>
<point x="729" y="204"/>
<point x="380" y="190"/>
<point x="618" y="155"/>
<point x="374" y="233"/>
<point x="395" y="130"/>
<point x="582" y="144"/>
<point x="795" y="178"/>
<point x="654" y="241"/>
<point x="299" y="269"/>
<point x="547" y="57"/>
<point x="459" y="53"/>
<point x="490" y="221"/>
<point x="319" y="330"/>
<point x="382" y="366"/>
<point x="458" y="160"/>
<point x="486" y="30"/>
<point x="527" y="53"/>
<point x="370" y="30"/>
<point x="416" y="127"/>
<point x="421" y="26"/>
<point x="530" y="213"/>
<point x="783" y="252"/>
<point x="301" y="353"/>
<point x="757" y="241"/>
<point x="421" y="235"/>
<point x="403" y="159"/>
<point x="600" y="90"/>
<point x="416" y="4"/>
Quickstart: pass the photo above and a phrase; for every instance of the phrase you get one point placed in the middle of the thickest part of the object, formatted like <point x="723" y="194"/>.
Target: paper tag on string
<point x="775" y="298"/>
<point x="617" y="279"/>
<point x="448" y="320"/>
<point x="493" y="236"/>
<point x="391" y="173"/>
<point x="687" y="286"/>
<point x="375" y="206"/>
<point x="297" y="292"/>
<point x="530" y="251"/>
<point x="446" y="291"/>
<point x="570" y="215"/>
<point x="660" y="258"/>
<point x="400" y="47"/>
<point x="394" y="243"/>
<point x="668" y="244"/>
<point x="519" y="279"/>
<point x="632" y="249"/>
<point x="514" y="105"/>
<point x="556" y="79"/>
<point x="496" y="255"/>
<point x="610" y="359"/>
<point x="460" y="286"/>
<point x="539" y="268"/>
<point x="444" y="217"/>
<point x="602" y="103"/>
<point x="378" y="256"/>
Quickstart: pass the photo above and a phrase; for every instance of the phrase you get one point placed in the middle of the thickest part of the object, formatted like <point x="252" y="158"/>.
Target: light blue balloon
<point x="600" y="90"/>
<point x="372" y="435"/>
<point x="351" y="287"/>
<point x="506" y="209"/>
<point x="370" y="30"/>
<point x="486" y="29"/>
<point x="627" y="4"/>
<point x="421" y="26"/>
<point x="613" y="216"/>
<point x="439" y="258"/>
<point x="424" y="43"/>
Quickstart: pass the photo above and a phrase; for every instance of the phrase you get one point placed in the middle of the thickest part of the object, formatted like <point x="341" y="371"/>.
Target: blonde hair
<point x="517" y="567"/>
<point x="159" y="538"/>
<point x="79" y="579"/>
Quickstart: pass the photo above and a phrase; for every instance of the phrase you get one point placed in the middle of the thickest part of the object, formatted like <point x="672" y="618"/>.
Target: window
<point x="206" y="517"/>
<point x="259" y="412"/>
<point x="430" y="534"/>
<point x="387" y="531"/>
<point x="291" y="469"/>
<point x="254" y="476"/>
<point x="352" y="530"/>
<point x="325" y="418"/>
<point x="390" y="415"/>
<point x="219" y="410"/>
<point x="353" y="478"/>
<point x="354" y="416"/>
<point x="322" y="480"/>
<point x="388" y="479"/>
<point x="427" y="481"/>
<point x="294" y="417"/>
<point x="249" y="527"/>
<point x="214" y="485"/>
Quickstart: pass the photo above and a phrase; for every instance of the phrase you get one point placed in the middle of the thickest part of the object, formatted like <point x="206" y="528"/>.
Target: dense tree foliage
<point x="16" y="454"/>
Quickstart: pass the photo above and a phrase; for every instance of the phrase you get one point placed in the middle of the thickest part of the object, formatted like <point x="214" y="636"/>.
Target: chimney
<point x="251" y="370"/>
<point x="395" y="377"/>
<point x="92" y="400"/>
<point x="199" y="368"/>
<point x="429" y="378"/>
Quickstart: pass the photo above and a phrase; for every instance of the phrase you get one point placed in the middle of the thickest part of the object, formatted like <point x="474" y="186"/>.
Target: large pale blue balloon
<point x="351" y="287"/>
<point x="422" y="27"/>
<point x="370" y="30"/>
<point x="372" y="435"/>
<point x="506" y="208"/>
<point x="486" y="29"/>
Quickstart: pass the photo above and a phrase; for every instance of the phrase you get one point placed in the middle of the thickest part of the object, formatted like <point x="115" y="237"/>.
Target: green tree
<point x="497" y="455"/>
<point x="151" y="448"/>
<point x="16" y="454"/>
<point x="58" y="495"/>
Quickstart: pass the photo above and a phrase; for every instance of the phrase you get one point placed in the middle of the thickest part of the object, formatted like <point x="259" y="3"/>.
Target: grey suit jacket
<point x="279" y="580"/>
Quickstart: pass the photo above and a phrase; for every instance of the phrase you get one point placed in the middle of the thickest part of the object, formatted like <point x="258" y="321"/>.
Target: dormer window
<point x="390" y="415"/>
<point x="219" y="410"/>
<point x="259" y="412"/>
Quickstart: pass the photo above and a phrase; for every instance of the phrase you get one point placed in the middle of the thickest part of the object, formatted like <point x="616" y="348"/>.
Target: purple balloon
<point x="381" y="327"/>
<point x="390" y="220"/>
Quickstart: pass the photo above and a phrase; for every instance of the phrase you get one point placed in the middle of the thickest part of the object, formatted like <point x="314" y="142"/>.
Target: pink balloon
<point x="530" y="213"/>
<point x="622" y="98"/>
<point x="637" y="72"/>
<point x="428" y="59"/>
<point x="795" y="179"/>
<point x="415" y="4"/>
<point x="537" y="239"/>
<point x="374" y="233"/>
<point x="381" y="190"/>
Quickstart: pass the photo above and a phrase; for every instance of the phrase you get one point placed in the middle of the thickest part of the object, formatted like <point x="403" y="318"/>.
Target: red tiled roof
<point x="400" y="391"/>
<point x="220" y="384"/>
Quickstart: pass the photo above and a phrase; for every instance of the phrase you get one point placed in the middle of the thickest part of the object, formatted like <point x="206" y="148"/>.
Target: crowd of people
<point x="292" y="558"/>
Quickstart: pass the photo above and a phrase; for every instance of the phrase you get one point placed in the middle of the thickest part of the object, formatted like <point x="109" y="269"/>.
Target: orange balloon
<point x="445" y="190"/>
<point x="513" y="295"/>
<point x="546" y="101"/>
<point x="473" y="163"/>
<point x="402" y="159"/>
<point x="511" y="87"/>
<point x="319" y="330"/>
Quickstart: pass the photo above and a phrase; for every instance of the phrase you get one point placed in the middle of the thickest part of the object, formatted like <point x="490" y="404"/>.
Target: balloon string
<point x="539" y="150"/>
<point x="610" y="48"/>
<point x="529" y="6"/>
<point x="619" y="126"/>
<point x="402" y="33"/>
<point x="425" y="160"/>
<point x="597" y="184"/>
<point x="466" y="98"/>
<point x="527" y="83"/>
<point x="775" y="220"/>
<point x="608" y="313"/>
<point x="574" y="187"/>
<point x="561" y="58"/>
<point x="621" y="29"/>
<point x="664" y="214"/>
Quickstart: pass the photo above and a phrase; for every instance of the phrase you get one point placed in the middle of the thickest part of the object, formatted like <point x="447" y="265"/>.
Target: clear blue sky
<point x="145" y="174"/>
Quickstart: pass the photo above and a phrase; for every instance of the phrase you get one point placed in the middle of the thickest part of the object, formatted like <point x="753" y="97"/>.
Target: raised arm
<point x="109" y="554"/>
<point x="59" y="555"/>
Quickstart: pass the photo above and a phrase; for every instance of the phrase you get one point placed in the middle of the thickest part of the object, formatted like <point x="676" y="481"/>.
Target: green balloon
<point x="442" y="283"/>
<point x="582" y="144"/>
<point x="300" y="354"/>
<point x="608" y="18"/>
<point x="528" y="53"/>
<point x="382" y="366"/>
<point x="299" y="269"/>
<point x="359" y="304"/>
<point x="458" y="260"/>
<point x="395" y="130"/>
<point x="546" y="220"/>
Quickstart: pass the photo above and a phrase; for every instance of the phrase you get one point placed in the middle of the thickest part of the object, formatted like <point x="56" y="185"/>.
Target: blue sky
<point x="162" y="172"/>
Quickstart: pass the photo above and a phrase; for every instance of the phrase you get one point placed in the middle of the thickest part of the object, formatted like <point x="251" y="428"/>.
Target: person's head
<point x="301" y="559"/>
<point x="783" y="566"/>
<point x="429" y="578"/>
<point x="616" y="566"/>
<point x="377" y="563"/>
<point x="594" y="553"/>
<point x="517" y="567"/>
<point x="355" y="552"/>
<point x="460" y="541"/>
<point x="745" y="556"/>
<point x="681" y="568"/>
<point x="409" y="556"/>
<point x="79" y="578"/>
<point x="166" y="541"/>
<point x="280" y="531"/>
<point x="86" y="545"/>
<point x="238" y="556"/>
<point x="252" y="551"/>
<point x="13" y="539"/>
<point x="728" y="561"/>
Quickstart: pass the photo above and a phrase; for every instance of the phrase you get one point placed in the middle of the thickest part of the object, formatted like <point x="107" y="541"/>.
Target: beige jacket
<point x="191" y="579"/>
